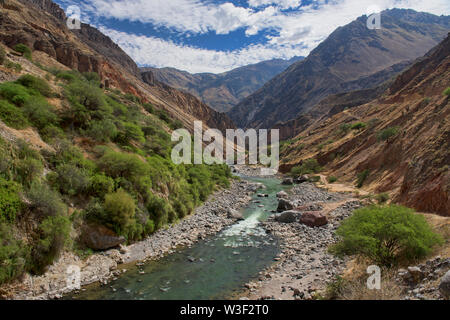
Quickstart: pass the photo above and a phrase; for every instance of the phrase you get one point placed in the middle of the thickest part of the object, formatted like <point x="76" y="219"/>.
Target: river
<point x="215" y="268"/>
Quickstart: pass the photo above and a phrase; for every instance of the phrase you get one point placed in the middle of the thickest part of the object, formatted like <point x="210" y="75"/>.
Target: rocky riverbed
<point x="222" y="209"/>
<point x="304" y="265"/>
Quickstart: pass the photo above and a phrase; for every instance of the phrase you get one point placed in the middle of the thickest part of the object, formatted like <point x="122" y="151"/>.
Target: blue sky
<point x="220" y="35"/>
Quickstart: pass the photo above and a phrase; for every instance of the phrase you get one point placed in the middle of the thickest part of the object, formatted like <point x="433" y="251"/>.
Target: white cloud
<point x="298" y="32"/>
<point x="160" y="53"/>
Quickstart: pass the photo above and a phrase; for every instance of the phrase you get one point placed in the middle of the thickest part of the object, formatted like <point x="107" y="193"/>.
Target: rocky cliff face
<point x="40" y="24"/>
<point x="337" y="65"/>
<point x="223" y="91"/>
<point x="404" y="145"/>
<point x="336" y="103"/>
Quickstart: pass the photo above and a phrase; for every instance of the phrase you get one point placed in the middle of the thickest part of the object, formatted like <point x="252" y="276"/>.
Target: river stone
<point x="313" y="219"/>
<point x="284" y="205"/>
<point x="301" y="179"/>
<point x="234" y="214"/>
<point x="287" y="216"/>
<point x="287" y="181"/>
<point x="282" y="194"/>
<point x="98" y="237"/>
<point x="444" y="286"/>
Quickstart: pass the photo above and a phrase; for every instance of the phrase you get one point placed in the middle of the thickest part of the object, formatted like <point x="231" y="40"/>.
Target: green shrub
<point x="332" y="179"/>
<point x="85" y="94"/>
<point x="92" y="77"/>
<point x="10" y="201"/>
<point x="24" y="50"/>
<point x="14" y="93"/>
<point x="100" y="185"/>
<point x="388" y="133"/>
<point x="103" y="131"/>
<point x="28" y="170"/>
<point x="446" y="92"/>
<point x="69" y="76"/>
<point x="130" y="132"/>
<point x="386" y="235"/>
<point x="358" y="126"/>
<point x="382" y="198"/>
<point x="54" y="237"/>
<point x="307" y="167"/>
<point x="14" y="255"/>
<point x="70" y="180"/>
<point x="17" y="67"/>
<point x="123" y="165"/>
<point x="12" y="116"/>
<point x="40" y="113"/>
<point x="159" y="211"/>
<point x="35" y="83"/>
<point x="45" y="201"/>
<point x="120" y="210"/>
<point x="361" y="178"/>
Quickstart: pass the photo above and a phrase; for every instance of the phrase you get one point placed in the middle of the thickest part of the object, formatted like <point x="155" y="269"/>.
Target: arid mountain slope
<point x="350" y="54"/>
<point x="223" y="91"/>
<point x="41" y="25"/>
<point x="400" y="140"/>
<point x="338" y="102"/>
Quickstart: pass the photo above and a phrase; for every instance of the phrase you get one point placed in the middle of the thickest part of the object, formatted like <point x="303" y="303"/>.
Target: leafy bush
<point x="10" y="202"/>
<point x="307" y="167"/>
<point x="382" y="198"/>
<point x="446" y="92"/>
<point x="45" y="201"/>
<point x="358" y="126"/>
<point x="35" y="83"/>
<point x="14" y="93"/>
<point x="24" y="50"/>
<point x="28" y="170"/>
<point x="40" y="113"/>
<point x="85" y="94"/>
<point x="159" y="211"/>
<point x="130" y="132"/>
<point x="332" y="179"/>
<point x="12" y="65"/>
<point x="70" y="180"/>
<point x="120" y="211"/>
<point x="123" y="165"/>
<point x="388" y="133"/>
<point x="386" y="235"/>
<point x="361" y="178"/>
<point x="13" y="255"/>
<point x="12" y="116"/>
<point x="54" y="237"/>
<point x="100" y="185"/>
<point x="103" y="131"/>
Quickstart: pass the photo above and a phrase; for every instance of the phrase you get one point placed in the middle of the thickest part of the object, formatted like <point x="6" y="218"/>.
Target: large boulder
<point x="287" y="181"/>
<point x="234" y="214"/>
<point x="284" y="205"/>
<point x="287" y="216"/>
<point x="444" y="286"/>
<point x="282" y="194"/>
<point x="301" y="179"/>
<point x="98" y="237"/>
<point x="313" y="219"/>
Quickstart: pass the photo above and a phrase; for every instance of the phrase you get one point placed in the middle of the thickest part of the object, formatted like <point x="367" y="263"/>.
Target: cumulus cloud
<point x="297" y="31"/>
<point x="161" y="53"/>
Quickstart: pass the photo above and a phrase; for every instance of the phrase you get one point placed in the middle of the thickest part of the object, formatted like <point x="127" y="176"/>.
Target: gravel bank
<point x="304" y="265"/>
<point x="207" y="220"/>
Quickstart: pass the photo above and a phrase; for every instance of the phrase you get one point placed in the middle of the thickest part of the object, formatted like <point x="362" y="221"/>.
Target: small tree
<point x="386" y="235"/>
<point x="120" y="210"/>
<point x="24" y="50"/>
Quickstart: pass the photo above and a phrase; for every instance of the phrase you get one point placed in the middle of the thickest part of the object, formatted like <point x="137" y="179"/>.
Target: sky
<point x="219" y="35"/>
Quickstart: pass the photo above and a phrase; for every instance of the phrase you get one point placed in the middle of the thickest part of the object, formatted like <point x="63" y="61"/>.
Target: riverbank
<point x="215" y="214"/>
<point x="304" y="265"/>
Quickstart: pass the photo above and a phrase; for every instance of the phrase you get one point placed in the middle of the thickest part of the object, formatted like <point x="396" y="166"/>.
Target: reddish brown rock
<point x="313" y="219"/>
